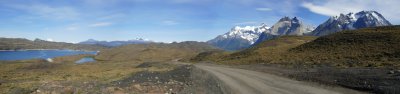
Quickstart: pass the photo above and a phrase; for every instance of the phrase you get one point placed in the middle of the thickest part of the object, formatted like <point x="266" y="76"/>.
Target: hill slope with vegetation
<point x="374" y="47"/>
<point x="368" y="47"/>
<point x="21" y="44"/>
<point x="154" y="51"/>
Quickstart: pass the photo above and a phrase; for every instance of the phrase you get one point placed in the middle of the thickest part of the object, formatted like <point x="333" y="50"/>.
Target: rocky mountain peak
<point x="351" y="21"/>
<point x="289" y="26"/>
<point x="370" y="19"/>
<point x="286" y="26"/>
<point x="239" y="37"/>
<point x="286" y="18"/>
<point x="295" y="20"/>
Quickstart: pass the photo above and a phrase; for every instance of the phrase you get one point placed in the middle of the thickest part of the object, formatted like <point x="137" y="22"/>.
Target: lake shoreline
<point x="11" y="55"/>
<point x="51" y="49"/>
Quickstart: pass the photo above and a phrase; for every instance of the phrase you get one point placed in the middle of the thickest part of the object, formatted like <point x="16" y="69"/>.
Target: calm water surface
<point x="39" y="54"/>
<point x="85" y="60"/>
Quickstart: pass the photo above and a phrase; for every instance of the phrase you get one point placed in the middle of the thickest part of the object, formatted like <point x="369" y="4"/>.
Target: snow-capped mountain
<point x="243" y="37"/>
<point x="116" y="43"/>
<point x="239" y="37"/>
<point x="286" y="26"/>
<point x="351" y="21"/>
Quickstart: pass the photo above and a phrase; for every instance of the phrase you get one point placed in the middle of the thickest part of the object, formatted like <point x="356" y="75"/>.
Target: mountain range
<point x="243" y="37"/>
<point x="351" y="21"/>
<point x="22" y="44"/>
<point x="116" y="43"/>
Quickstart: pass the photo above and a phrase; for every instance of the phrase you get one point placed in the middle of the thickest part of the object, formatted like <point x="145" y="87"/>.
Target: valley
<point x="186" y="47"/>
<point x="158" y="68"/>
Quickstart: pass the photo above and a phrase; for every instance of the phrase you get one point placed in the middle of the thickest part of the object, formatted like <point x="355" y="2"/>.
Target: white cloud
<point x="263" y="9"/>
<point x="46" y="11"/>
<point x="278" y="7"/>
<point x="49" y="39"/>
<point x="388" y="8"/>
<point x="321" y="10"/>
<point x="169" y="22"/>
<point x="100" y="24"/>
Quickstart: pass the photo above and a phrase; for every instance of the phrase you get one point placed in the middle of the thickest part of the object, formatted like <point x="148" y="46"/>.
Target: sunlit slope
<point x="154" y="51"/>
<point x="368" y="47"/>
<point x="364" y="47"/>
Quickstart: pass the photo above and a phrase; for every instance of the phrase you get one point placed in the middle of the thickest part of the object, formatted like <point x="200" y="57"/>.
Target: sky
<point x="165" y="20"/>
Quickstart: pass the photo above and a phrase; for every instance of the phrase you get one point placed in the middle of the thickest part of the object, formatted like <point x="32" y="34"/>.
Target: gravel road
<point x="240" y="81"/>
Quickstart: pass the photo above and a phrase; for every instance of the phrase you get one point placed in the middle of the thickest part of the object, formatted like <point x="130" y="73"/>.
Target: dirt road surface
<point x="240" y="81"/>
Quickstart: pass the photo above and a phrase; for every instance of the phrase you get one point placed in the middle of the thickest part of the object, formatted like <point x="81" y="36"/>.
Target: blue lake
<point x="39" y="54"/>
<point x="85" y="60"/>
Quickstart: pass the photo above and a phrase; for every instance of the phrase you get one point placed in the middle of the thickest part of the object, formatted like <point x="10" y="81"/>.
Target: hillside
<point x="379" y="46"/>
<point x="368" y="47"/>
<point x="20" y="43"/>
<point x="154" y="51"/>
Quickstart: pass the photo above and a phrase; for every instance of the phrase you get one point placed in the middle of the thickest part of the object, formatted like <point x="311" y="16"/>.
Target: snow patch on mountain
<point x="351" y="21"/>
<point x="249" y="33"/>
<point x="243" y="37"/>
<point x="239" y="37"/>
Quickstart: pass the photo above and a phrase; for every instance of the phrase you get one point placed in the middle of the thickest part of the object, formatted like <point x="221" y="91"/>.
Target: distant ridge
<point x="21" y="44"/>
<point x="116" y="43"/>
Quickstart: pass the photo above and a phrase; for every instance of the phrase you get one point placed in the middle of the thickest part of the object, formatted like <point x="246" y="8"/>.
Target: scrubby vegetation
<point x="369" y="47"/>
<point x="63" y="75"/>
<point x="20" y="44"/>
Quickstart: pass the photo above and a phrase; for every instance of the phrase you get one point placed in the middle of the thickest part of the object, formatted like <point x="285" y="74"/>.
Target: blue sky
<point x="164" y="20"/>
